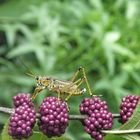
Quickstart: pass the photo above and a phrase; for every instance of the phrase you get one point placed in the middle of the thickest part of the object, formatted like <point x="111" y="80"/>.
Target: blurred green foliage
<point x="55" y="37"/>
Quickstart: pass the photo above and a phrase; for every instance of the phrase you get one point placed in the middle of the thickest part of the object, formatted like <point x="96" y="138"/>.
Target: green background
<point x="55" y="37"/>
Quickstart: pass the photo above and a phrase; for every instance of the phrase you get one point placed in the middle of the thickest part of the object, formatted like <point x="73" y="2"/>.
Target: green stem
<point x="120" y="131"/>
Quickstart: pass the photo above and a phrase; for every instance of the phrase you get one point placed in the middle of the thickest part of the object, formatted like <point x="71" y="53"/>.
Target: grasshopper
<point x="61" y="87"/>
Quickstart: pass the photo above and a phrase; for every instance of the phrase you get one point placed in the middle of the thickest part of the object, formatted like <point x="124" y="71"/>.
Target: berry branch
<point x="52" y="116"/>
<point x="6" y="110"/>
<point x="82" y="117"/>
<point x="71" y="117"/>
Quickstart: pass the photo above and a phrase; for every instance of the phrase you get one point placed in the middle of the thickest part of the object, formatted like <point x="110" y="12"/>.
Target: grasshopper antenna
<point x="30" y="74"/>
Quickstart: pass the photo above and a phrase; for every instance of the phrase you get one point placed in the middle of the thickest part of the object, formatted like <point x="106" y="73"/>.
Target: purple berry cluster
<point x="127" y="107"/>
<point x="98" y="116"/>
<point x="53" y="118"/>
<point x="23" y="118"/>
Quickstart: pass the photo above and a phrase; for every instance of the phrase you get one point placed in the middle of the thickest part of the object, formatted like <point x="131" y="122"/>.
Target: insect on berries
<point x="61" y="87"/>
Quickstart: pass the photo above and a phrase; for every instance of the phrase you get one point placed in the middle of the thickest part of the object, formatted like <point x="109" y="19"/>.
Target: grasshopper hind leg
<point x="80" y="93"/>
<point x="81" y="69"/>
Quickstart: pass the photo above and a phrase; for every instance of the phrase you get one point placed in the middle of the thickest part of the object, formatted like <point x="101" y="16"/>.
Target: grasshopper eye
<point x="37" y="78"/>
<point x="47" y="78"/>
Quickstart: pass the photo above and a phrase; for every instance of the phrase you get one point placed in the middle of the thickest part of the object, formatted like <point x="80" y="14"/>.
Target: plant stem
<point x="6" y="110"/>
<point x="81" y="117"/>
<point x="71" y="117"/>
<point x="120" y="131"/>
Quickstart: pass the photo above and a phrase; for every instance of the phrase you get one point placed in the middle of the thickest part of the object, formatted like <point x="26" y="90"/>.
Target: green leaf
<point x="20" y="50"/>
<point x="132" y="10"/>
<point x="4" y="134"/>
<point x="133" y="123"/>
<point x="113" y="137"/>
<point x="122" y="50"/>
<point x="109" y="40"/>
<point x="111" y="37"/>
<point x="40" y="136"/>
<point x="9" y="9"/>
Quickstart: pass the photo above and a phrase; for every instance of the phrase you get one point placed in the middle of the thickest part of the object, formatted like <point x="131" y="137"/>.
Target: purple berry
<point x="127" y="107"/>
<point x="99" y="118"/>
<point x="53" y="118"/>
<point x="22" y="99"/>
<point x="22" y="122"/>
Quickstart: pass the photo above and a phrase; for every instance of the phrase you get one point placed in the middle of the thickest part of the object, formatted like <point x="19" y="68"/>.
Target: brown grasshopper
<point x="68" y="88"/>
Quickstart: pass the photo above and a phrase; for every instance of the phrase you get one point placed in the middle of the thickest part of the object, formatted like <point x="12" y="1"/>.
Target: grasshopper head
<point x="39" y="81"/>
<point x="42" y="81"/>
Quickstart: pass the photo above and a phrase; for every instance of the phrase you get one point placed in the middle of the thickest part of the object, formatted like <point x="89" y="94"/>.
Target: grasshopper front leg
<point x="36" y="91"/>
